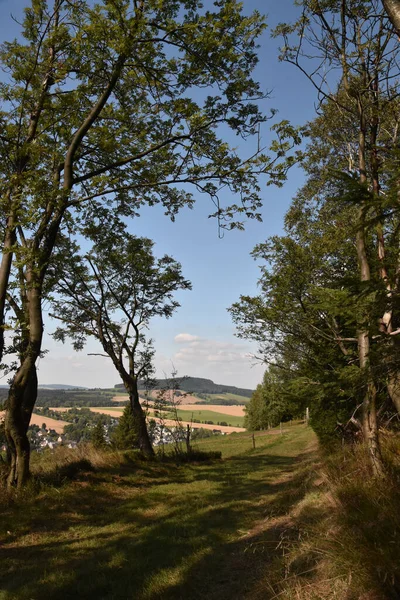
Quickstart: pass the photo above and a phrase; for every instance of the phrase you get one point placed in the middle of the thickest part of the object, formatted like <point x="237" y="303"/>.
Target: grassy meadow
<point x="264" y="523"/>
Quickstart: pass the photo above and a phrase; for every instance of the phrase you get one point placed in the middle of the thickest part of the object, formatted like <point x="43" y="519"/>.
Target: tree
<point x="112" y="294"/>
<point x="269" y="404"/>
<point x="100" y="106"/>
<point x="305" y="318"/>
<point x="97" y="435"/>
<point x="354" y="71"/>
<point x="125" y="436"/>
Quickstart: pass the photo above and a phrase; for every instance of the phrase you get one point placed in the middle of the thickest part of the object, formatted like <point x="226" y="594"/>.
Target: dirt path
<point x="160" y="530"/>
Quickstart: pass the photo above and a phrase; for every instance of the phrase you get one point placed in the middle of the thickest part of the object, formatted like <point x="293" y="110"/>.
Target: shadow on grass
<point x="153" y="531"/>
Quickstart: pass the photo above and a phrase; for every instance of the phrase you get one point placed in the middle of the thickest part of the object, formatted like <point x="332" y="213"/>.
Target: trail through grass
<point x="154" y="530"/>
<point x="269" y="523"/>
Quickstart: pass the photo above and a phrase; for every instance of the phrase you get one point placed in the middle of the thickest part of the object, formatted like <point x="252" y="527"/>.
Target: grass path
<point x="150" y="531"/>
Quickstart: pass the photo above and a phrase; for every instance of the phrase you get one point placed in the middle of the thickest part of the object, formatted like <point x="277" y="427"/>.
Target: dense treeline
<point x="69" y="398"/>
<point x="271" y="403"/>
<point x="327" y="317"/>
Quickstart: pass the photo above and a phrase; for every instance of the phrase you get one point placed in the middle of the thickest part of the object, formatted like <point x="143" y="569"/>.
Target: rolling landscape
<point x="200" y="300"/>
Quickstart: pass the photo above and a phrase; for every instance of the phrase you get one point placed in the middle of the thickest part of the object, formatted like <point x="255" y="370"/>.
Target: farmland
<point x="57" y="425"/>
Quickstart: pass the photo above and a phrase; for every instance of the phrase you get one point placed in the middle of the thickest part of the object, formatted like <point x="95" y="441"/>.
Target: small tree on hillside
<point x="111" y="294"/>
<point x="125" y="436"/>
<point x="97" y="437"/>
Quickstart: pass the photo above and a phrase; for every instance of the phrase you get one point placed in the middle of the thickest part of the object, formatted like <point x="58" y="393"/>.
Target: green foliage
<point x="269" y="404"/>
<point x="97" y="436"/>
<point x="125" y="436"/>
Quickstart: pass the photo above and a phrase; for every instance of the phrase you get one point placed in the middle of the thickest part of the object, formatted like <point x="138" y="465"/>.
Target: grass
<point x="274" y="522"/>
<point x="143" y="530"/>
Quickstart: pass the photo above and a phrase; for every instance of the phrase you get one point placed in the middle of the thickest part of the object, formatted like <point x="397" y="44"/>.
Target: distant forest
<point x="69" y="398"/>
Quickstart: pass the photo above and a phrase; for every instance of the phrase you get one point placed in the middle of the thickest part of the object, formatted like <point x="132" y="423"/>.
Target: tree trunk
<point x="369" y="416"/>
<point x="23" y="392"/>
<point x="5" y="269"/>
<point x="17" y="441"/>
<point x="143" y="435"/>
<point x="392" y="8"/>
<point x="393" y="387"/>
<point x="370" y="430"/>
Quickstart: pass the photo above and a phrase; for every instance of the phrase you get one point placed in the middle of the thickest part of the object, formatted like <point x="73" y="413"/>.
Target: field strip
<point x="55" y="424"/>
<point x="116" y="412"/>
<point x="234" y="411"/>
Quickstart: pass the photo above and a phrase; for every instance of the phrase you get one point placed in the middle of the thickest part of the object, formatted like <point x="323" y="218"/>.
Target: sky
<point x="199" y="340"/>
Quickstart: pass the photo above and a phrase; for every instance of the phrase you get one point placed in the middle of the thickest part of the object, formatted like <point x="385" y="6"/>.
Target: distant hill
<point x="53" y="386"/>
<point x="60" y="386"/>
<point x="198" y="385"/>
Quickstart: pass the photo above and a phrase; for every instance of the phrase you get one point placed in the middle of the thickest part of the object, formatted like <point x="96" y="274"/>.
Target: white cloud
<point x="223" y="361"/>
<point x="183" y="338"/>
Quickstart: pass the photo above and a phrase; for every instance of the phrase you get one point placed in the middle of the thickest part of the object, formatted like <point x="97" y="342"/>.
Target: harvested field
<point x="187" y="399"/>
<point x="117" y="412"/>
<point x="121" y="398"/>
<point x="58" y="426"/>
<point x="234" y="411"/>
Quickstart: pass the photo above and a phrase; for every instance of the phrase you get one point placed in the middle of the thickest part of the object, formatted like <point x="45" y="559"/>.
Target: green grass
<point x="271" y="523"/>
<point x="227" y="399"/>
<point x="148" y="530"/>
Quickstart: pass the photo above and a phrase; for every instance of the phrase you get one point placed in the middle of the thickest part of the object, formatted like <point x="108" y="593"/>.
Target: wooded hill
<point x="196" y="385"/>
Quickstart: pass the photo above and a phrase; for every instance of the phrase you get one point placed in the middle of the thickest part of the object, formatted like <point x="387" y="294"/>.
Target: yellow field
<point x="55" y="424"/>
<point x="117" y="412"/>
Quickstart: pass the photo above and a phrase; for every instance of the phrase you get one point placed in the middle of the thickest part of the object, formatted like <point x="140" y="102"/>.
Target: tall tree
<point x="112" y="294"/>
<point x="354" y="68"/>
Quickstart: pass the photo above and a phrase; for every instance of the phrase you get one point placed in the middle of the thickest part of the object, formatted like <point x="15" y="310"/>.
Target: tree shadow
<point x="176" y="532"/>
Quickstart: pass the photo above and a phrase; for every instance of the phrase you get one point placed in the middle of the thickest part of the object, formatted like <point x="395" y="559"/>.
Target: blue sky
<point x="199" y="340"/>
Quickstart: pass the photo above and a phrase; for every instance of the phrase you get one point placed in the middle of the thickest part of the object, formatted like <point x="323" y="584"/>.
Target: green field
<point x="242" y="399"/>
<point x="227" y="399"/>
<point x="208" y="415"/>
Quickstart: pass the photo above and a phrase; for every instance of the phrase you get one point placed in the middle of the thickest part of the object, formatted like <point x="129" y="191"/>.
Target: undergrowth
<point x="343" y="538"/>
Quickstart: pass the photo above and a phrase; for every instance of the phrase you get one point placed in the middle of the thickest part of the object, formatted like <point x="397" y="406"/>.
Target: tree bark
<point x="23" y="390"/>
<point x="392" y="8"/>
<point x="394" y="389"/>
<point x="137" y="410"/>
<point x="369" y="416"/>
<point x="5" y="269"/>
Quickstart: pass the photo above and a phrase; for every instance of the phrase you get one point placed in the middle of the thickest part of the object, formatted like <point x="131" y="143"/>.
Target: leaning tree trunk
<point x="5" y="269"/>
<point x="23" y="392"/>
<point x="137" y="410"/>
